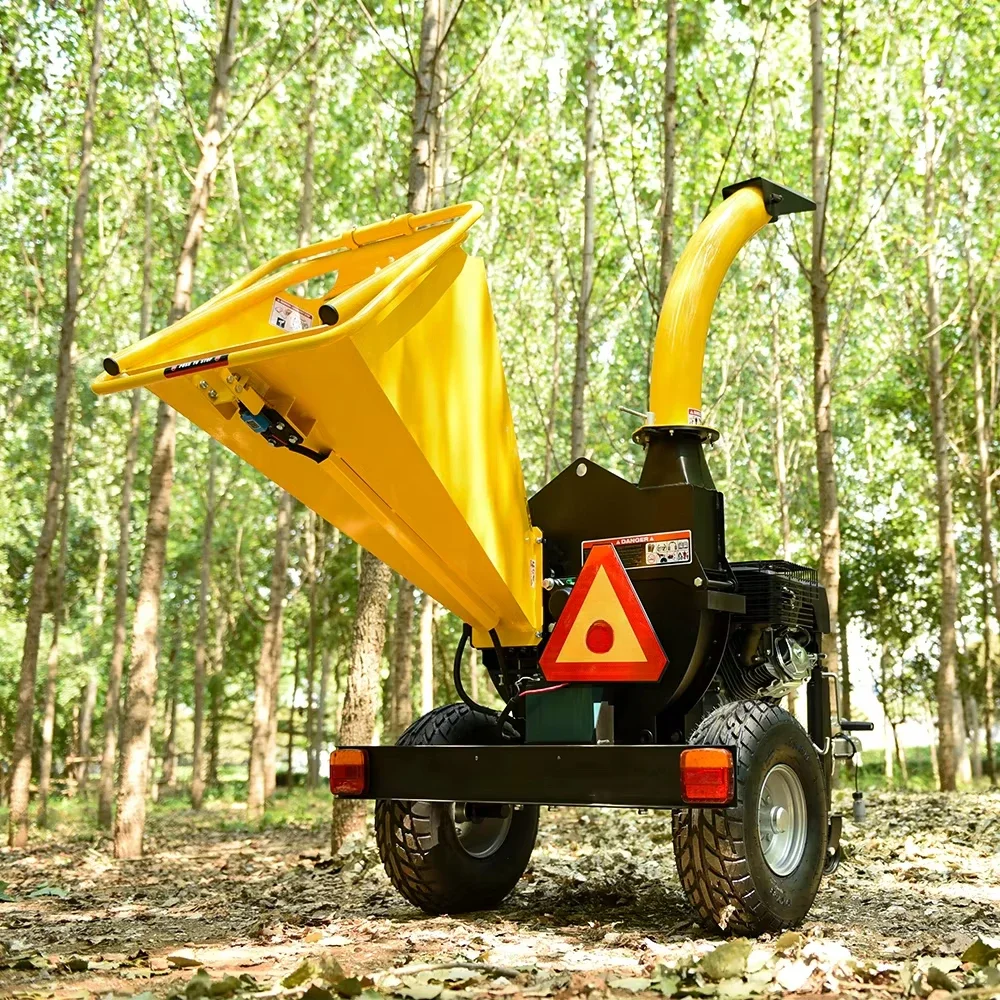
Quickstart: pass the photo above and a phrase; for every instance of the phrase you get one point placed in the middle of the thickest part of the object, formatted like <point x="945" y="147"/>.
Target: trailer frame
<point x="560" y="774"/>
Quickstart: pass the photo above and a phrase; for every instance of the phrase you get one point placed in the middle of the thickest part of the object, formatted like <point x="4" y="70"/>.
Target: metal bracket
<point x="278" y="431"/>
<point x="842" y="746"/>
<point x="833" y="849"/>
<point x="778" y="200"/>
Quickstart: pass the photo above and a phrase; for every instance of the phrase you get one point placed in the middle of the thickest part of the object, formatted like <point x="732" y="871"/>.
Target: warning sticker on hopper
<point x="288" y="316"/>
<point x="663" y="548"/>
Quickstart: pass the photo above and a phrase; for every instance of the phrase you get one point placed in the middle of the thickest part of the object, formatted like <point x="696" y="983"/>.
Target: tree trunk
<point x="580" y="370"/>
<point x="358" y="709"/>
<point x="401" y="688"/>
<point x="442" y="151"/>
<point x="52" y="665"/>
<point x="201" y="637"/>
<point x="780" y="447"/>
<point x="312" y="572"/>
<point x="829" y="510"/>
<point x="963" y="763"/>
<point x="991" y="596"/>
<point x="988" y="703"/>
<point x="131" y="817"/>
<point x="216" y="686"/>
<point x="268" y="665"/>
<point x="312" y="580"/>
<point x="553" y="406"/>
<point x="426" y="117"/>
<point x="321" y="705"/>
<point x="973" y="726"/>
<point x="71" y="741"/>
<point x="100" y="580"/>
<point x="357" y="718"/>
<point x="169" y="779"/>
<point x="904" y="777"/>
<point x="309" y="152"/>
<point x="426" y="654"/>
<point x="885" y="668"/>
<point x="290" y="761"/>
<point x="443" y="679"/>
<point x="112" y="699"/>
<point x="669" y="154"/>
<point x="780" y="451"/>
<point x="88" y="701"/>
<point x="277" y="659"/>
<point x="24" y="728"/>
<point x="87" y="705"/>
<point x="887" y="755"/>
<point x="845" y="672"/>
<point x="947" y="665"/>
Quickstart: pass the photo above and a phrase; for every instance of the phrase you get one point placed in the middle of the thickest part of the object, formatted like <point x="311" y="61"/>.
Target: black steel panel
<point x="564" y="775"/>
<point x="572" y="509"/>
<point x="691" y="627"/>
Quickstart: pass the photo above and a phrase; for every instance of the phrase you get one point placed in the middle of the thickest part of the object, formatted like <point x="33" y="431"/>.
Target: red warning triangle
<point x="603" y="633"/>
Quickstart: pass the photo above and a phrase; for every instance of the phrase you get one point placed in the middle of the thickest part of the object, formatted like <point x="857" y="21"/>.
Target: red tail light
<point x="348" y="772"/>
<point x="706" y="776"/>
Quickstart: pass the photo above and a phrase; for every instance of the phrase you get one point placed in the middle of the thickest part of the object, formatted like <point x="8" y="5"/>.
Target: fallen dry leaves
<point x="216" y="910"/>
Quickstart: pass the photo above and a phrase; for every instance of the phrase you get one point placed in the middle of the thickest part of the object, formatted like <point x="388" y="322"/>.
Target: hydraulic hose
<point x="503" y="716"/>
<point x="459" y="687"/>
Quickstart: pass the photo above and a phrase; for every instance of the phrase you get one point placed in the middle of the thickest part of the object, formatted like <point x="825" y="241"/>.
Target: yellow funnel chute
<point x="381" y="404"/>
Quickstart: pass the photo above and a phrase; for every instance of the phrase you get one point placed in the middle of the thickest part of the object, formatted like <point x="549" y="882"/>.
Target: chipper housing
<point x="637" y="665"/>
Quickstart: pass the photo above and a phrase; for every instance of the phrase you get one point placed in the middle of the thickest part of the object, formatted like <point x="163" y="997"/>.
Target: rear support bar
<point x="636" y="776"/>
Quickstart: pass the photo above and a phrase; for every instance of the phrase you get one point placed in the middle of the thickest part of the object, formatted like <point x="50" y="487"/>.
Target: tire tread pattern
<point x="709" y="844"/>
<point x="397" y="829"/>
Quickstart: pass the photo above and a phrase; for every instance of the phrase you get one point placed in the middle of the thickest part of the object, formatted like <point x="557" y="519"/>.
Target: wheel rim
<point x="782" y="821"/>
<point x="480" y="837"/>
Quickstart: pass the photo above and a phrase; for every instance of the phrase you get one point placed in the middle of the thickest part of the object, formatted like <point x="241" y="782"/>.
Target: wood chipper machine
<point x="637" y="665"/>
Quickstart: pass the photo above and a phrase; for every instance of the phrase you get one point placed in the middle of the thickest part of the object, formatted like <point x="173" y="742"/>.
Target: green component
<point x="567" y="715"/>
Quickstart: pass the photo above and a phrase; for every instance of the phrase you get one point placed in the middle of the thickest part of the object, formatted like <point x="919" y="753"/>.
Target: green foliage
<point x="514" y="126"/>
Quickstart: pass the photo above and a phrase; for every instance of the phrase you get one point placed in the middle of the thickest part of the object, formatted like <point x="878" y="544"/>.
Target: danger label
<point x="663" y="548"/>
<point x="694" y="416"/>
<point x="288" y="316"/>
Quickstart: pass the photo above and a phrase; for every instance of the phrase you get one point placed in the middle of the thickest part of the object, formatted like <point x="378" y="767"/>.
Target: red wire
<point x="554" y="687"/>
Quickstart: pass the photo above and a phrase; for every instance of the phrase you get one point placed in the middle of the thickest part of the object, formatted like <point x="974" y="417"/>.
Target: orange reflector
<point x="706" y="776"/>
<point x="348" y="772"/>
<point x="603" y="632"/>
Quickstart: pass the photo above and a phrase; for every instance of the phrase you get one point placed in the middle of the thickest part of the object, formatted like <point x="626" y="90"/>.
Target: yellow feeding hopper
<point x="380" y="403"/>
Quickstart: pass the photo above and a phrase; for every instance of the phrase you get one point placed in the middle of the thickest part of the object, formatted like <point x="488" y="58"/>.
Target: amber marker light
<point x="348" y="772"/>
<point x="707" y="776"/>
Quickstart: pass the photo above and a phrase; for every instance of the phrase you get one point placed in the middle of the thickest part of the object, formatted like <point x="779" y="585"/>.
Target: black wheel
<point x="756" y="866"/>
<point x="454" y="857"/>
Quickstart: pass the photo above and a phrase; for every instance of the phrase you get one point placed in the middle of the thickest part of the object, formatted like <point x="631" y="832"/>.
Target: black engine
<point x="774" y="644"/>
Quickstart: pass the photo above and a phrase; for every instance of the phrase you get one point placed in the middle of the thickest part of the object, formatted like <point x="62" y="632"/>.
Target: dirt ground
<point x="599" y="912"/>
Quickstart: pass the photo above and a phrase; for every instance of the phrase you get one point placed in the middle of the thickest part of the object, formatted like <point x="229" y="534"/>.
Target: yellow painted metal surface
<point x="405" y="396"/>
<point x="679" y="349"/>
